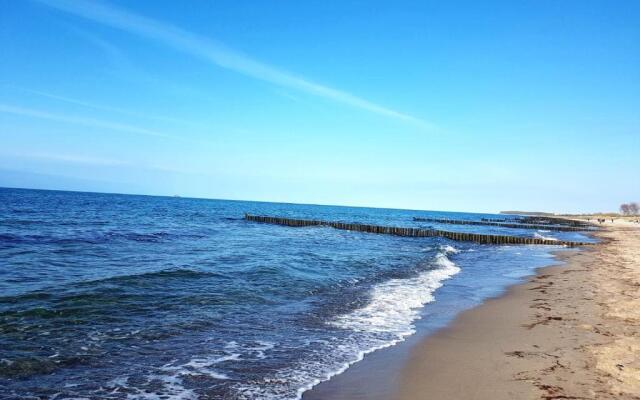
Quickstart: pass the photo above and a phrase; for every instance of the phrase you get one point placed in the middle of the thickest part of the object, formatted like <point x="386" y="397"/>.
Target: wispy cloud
<point x="113" y="53"/>
<point x="99" y="161"/>
<point x="75" y="159"/>
<point x="218" y="54"/>
<point x="120" y="65"/>
<point x="90" y="122"/>
<point x="100" y="107"/>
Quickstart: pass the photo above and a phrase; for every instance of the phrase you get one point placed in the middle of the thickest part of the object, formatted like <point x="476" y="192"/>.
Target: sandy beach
<point x="319" y="200"/>
<point x="570" y="332"/>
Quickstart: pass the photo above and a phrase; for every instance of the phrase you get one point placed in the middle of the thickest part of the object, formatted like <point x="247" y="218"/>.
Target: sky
<point x="460" y="106"/>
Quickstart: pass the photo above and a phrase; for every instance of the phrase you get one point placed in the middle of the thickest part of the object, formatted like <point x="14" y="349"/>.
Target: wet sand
<point x="571" y="332"/>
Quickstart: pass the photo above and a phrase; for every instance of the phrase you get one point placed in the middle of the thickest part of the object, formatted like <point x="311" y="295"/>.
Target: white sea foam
<point x="171" y="375"/>
<point x="539" y="236"/>
<point x="172" y="388"/>
<point x="386" y="320"/>
<point x="449" y="249"/>
<point x="395" y="304"/>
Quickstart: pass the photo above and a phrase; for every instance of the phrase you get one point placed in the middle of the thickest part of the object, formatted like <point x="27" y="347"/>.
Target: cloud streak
<point x="75" y="159"/>
<point x="218" y="54"/>
<point x="89" y="122"/>
<point x="110" y="109"/>
<point x="124" y="68"/>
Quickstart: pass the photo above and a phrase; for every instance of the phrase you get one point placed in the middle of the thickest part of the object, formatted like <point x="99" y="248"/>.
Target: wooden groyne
<point x="495" y="220"/>
<point x="529" y="219"/>
<point x="501" y="224"/>
<point x="412" y="232"/>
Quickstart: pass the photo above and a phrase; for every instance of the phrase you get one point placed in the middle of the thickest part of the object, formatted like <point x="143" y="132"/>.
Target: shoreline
<point x="569" y="331"/>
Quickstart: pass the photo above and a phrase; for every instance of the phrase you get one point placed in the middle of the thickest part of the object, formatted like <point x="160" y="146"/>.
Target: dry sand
<point x="571" y="332"/>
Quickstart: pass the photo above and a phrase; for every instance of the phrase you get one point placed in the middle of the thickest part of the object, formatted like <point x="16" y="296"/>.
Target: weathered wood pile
<point x="495" y="220"/>
<point x="528" y="219"/>
<point x="412" y="232"/>
<point x="501" y="224"/>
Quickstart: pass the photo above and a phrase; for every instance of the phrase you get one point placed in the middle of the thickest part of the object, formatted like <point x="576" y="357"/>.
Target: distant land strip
<point x="412" y="232"/>
<point x="502" y="224"/>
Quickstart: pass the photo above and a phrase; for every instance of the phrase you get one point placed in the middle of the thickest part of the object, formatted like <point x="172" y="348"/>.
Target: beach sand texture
<point x="571" y="332"/>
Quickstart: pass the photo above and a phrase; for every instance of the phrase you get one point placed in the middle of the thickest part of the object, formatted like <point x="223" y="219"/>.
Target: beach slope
<point x="570" y="332"/>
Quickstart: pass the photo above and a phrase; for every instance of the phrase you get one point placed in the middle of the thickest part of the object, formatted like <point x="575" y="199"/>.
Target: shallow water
<point x="119" y="296"/>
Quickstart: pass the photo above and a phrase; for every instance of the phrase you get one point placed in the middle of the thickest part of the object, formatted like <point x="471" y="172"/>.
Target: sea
<point x="110" y="296"/>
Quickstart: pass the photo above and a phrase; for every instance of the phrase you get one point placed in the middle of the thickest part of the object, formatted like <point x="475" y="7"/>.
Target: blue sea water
<point x="137" y="297"/>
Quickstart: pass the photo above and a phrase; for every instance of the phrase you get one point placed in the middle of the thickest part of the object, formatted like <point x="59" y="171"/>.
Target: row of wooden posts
<point x="501" y="224"/>
<point x="494" y="219"/>
<point x="550" y="220"/>
<point x="412" y="232"/>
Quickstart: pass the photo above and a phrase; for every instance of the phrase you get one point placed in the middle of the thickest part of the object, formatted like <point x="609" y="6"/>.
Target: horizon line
<point x="297" y="203"/>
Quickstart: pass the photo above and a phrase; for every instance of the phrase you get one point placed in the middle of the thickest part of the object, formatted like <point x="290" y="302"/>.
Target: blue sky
<point x="470" y="106"/>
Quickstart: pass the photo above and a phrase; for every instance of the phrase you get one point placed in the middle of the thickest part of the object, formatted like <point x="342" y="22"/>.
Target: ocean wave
<point x="98" y="237"/>
<point x="395" y="304"/>
<point x="21" y="368"/>
<point x="173" y="376"/>
<point x="84" y="298"/>
<point x="69" y="291"/>
<point x="386" y="320"/>
<point x="540" y="236"/>
<point x="152" y="276"/>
